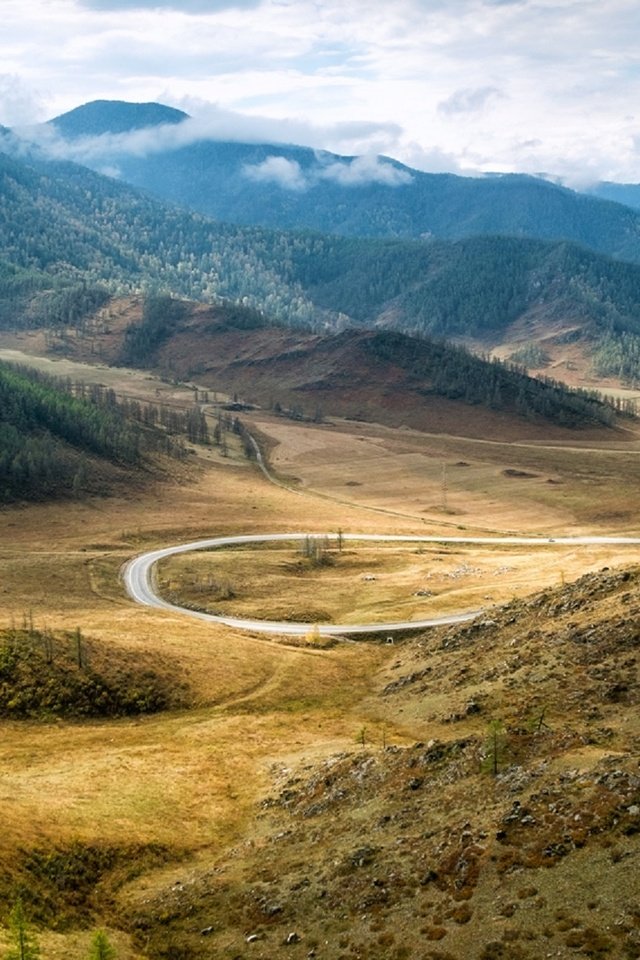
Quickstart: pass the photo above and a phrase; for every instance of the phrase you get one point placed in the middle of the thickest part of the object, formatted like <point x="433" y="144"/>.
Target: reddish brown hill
<point x="335" y="375"/>
<point x="314" y="376"/>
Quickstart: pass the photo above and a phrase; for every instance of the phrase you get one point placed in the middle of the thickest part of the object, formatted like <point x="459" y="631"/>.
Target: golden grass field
<point x="362" y="583"/>
<point x="190" y="779"/>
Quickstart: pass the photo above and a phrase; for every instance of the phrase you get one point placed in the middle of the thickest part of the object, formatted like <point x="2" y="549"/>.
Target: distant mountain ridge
<point x="291" y="187"/>
<point x="626" y="193"/>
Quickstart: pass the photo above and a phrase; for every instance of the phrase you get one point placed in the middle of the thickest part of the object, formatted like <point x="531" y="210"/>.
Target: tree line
<point x="24" y="944"/>
<point x="54" y="431"/>
<point x="450" y="371"/>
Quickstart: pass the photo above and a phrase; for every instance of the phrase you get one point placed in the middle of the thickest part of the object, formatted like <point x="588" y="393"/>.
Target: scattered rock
<point x="512" y="472"/>
<point x="272" y="909"/>
<point x="363" y="856"/>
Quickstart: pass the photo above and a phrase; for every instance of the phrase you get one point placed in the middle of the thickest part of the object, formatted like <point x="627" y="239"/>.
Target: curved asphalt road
<point x="138" y="578"/>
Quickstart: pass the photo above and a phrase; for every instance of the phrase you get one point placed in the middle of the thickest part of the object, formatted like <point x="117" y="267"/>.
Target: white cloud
<point x="186" y="6"/>
<point x="19" y="103"/>
<point x="473" y="82"/>
<point x="352" y="172"/>
<point x="468" y="100"/>
<point x="215" y="123"/>
<point x="285" y="173"/>
<point x="104" y="152"/>
<point x="364" y="170"/>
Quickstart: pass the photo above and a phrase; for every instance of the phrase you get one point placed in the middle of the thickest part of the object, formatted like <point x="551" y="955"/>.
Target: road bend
<point x="140" y="581"/>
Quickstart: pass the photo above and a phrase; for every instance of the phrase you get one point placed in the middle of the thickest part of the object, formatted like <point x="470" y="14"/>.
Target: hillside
<point x="76" y="227"/>
<point x="52" y="272"/>
<point x="381" y="376"/>
<point x="68" y="233"/>
<point x="508" y="833"/>
<point x="292" y="187"/>
<point x="57" y="440"/>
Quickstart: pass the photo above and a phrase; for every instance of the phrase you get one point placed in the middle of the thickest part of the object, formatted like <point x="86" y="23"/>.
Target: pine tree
<point x="24" y="945"/>
<point x="101" y="948"/>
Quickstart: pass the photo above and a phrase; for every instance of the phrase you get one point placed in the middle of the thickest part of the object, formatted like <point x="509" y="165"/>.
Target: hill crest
<point x="380" y="376"/>
<point x="100" y="117"/>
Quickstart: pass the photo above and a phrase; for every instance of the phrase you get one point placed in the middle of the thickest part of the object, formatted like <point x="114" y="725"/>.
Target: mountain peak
<point x="114" y="116"/>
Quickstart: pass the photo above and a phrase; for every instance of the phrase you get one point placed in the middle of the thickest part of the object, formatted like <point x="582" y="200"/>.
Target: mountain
<point x="627" y="193"/>
<point x="114" y="116"/>
<point x="292" y="187"/>
<point x="64" y="226"/>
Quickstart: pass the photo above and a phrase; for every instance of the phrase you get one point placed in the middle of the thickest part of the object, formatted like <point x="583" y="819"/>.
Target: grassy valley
<point x="196" y="790"/>
<point x="286" y="788"/>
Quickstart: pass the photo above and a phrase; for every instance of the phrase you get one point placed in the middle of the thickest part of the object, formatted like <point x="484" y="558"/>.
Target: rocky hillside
<point x="503" y="823"/>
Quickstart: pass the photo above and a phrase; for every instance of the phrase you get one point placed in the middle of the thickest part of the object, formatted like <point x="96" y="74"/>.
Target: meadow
<point x="168" y="793"/>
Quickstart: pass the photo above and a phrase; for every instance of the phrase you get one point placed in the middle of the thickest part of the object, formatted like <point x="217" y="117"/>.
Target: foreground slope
<point x="509" y="829"/>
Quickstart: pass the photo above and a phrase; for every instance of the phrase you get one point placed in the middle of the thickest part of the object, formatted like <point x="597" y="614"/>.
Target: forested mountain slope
<point x="292" y="187"/>
<point x="59" y="439"/>
<point x="68" y="230"/>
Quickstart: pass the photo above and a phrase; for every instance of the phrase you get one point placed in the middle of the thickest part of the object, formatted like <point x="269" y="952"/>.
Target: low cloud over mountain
<point x="350" y="172"/>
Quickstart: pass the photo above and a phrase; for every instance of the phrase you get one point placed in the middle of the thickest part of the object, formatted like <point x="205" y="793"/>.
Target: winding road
<point x="139" y="578"/>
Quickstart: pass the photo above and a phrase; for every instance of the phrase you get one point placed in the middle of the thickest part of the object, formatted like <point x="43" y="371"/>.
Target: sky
<point x="548" y="87"/>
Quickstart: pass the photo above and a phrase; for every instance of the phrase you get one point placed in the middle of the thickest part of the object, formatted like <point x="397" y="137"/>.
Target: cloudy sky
<point x="538" y="86"/>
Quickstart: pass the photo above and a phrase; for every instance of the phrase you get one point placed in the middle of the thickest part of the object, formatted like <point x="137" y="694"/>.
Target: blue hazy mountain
<point x="64" y="222"/>
<point x="114" y="116"/>
<point x="626" y="193"/>
<point x="291" y="187"/>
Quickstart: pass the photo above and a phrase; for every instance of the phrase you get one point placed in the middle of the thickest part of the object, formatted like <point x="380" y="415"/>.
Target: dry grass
<point x="578" y="488"/>
<point x="191" y="779"/>
<point x="383" y="850"/>
<point x="363" y="582"/>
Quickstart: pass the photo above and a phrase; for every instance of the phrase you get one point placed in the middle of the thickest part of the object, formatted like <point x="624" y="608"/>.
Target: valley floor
<point x="175" y="797"/>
